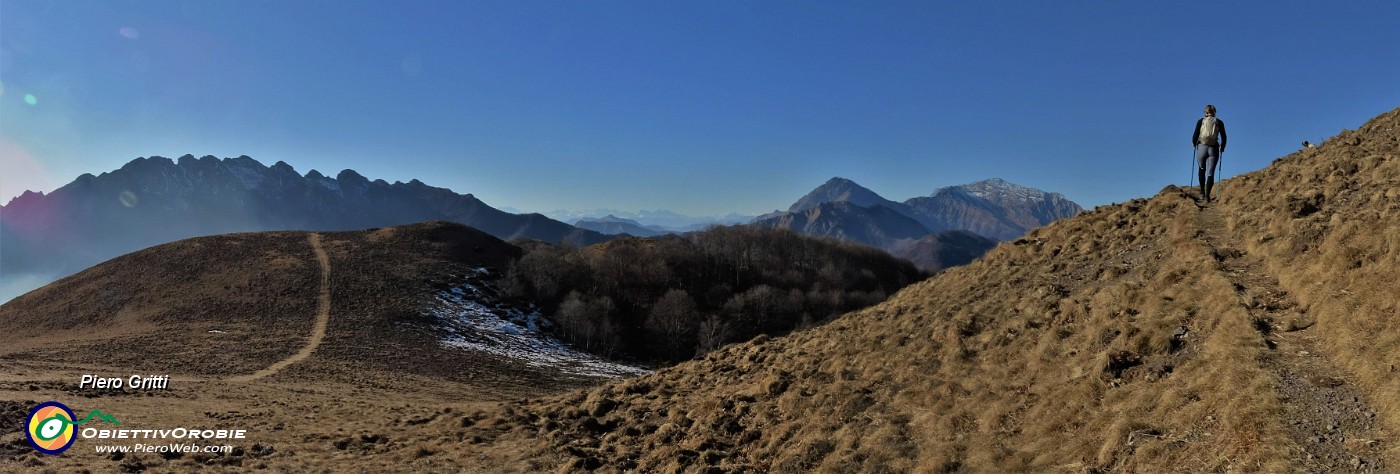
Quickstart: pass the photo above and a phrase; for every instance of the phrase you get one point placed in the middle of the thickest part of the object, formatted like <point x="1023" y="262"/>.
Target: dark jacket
<point x="1219" y="127"/>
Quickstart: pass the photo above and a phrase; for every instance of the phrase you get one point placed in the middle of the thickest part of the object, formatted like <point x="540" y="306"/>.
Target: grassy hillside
<point x="1255" y="335"/>
<point x="229" y="305"/>
<point x="164" y="302"/>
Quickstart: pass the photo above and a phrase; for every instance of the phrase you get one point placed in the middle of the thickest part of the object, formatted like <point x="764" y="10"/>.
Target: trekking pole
<point x="1219" y="158"/>
<point x="1192" y="181"/>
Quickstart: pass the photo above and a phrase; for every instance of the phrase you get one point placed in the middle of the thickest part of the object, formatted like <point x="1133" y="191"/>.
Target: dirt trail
<point x="323" y="316"/>
<point x="1324" y="414"/>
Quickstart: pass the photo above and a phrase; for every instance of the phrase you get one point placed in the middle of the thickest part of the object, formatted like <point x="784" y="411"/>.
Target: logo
<point x="50" y="427"/>
<point x="101" y="416"/>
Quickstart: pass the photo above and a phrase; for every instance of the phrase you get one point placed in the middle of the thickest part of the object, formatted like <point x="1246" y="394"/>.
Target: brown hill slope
<point x="1257" y="335"/>
<point x="230" y="306"/>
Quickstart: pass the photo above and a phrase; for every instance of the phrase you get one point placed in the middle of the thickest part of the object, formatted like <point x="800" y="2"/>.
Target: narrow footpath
<point x="1327" y="417"/>
<point x="323" y="317"/>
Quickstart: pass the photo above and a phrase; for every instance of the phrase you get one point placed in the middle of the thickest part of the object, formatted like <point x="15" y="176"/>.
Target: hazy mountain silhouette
<point x="993" y="209"/>
<point x="660" y="220"/>
<point x="613" y="225"/>
<point x="154" y="200"/>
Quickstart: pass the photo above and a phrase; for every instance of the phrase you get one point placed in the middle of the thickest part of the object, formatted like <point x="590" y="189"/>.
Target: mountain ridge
<point x="613" y="225"/>
<point x="840" y="189"/>
<point x="154" y="200"/>
<point x="994" y="208"/>
<point x="923" y="229"/>
<point x="662" y="219"/>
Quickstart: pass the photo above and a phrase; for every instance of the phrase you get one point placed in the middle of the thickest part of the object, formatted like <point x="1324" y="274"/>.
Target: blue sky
<point x="696" y="107"/>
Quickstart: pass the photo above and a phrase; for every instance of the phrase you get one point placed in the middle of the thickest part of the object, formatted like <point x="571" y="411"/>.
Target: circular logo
<point x="50" y="427"/>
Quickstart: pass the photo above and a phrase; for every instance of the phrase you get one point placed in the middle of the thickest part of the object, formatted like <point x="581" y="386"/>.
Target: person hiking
<point x="1209" y="140"/>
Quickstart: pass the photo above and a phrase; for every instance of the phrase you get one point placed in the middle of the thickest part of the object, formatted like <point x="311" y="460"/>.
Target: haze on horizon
<point x="701" y="109"/>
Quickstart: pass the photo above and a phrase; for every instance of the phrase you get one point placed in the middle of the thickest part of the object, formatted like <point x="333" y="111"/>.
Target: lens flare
<point x="127" y="198"/>
<point x="129" y="32"/>
<point x="30" y="99"/>
<point x="20" y="171"/>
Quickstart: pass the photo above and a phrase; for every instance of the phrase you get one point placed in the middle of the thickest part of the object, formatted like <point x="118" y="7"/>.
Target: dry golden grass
<point x="165" y="300"/>
<point x="292" y="427"/>
<point x="1147" y="336"/>
<point x="1327" y="222"/>
<point x="1059" y="352"/>
<point x="375" y="395"/>
<point x="1001" y="365"/>
<point x="154" y="310"/>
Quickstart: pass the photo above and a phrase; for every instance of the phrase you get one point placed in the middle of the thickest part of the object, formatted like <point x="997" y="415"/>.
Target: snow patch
<point x="468" y="318"/>
<point x="999" y="190"/>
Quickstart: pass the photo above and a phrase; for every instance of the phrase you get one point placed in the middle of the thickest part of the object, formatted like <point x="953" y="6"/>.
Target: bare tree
<point x="673" y="320"/>
<point x="712" y="334"/>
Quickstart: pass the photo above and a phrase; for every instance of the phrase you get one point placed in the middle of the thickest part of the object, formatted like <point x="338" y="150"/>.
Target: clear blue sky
<point x="697" y="107"/>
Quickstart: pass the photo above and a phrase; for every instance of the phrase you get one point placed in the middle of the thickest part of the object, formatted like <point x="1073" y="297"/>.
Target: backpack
<point x="1208" y="133"/>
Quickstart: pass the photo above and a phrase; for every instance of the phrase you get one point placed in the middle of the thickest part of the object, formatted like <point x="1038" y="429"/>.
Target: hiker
<point x="1209" y="140"/>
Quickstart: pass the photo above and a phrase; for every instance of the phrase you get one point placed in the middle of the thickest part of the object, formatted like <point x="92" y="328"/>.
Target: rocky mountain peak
<point x="839" y="189"/>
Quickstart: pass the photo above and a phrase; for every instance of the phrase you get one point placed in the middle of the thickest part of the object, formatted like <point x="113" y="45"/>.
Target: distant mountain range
<point x="660" y="220"/>
<point x="951" y="226"/>
<point x="154" y="200"/>
<point x="150" y="201"/>
<point x="613" y="225"/>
